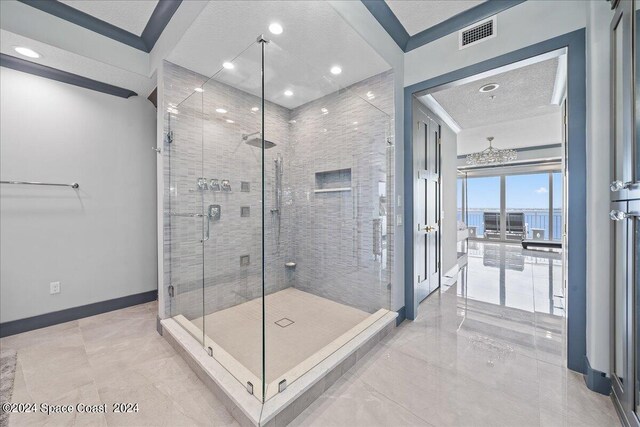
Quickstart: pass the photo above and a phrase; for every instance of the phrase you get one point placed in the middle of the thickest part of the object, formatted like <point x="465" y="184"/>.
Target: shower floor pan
<point x="310" y="342"/>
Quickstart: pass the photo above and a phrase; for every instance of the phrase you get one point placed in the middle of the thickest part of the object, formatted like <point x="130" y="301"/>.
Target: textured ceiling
<point x="315" y="38"/>
<point x="529" y="132"/>
<point x="523" y="92"/>
<point x="418" y="15"/>
<point x="130" y="15"/>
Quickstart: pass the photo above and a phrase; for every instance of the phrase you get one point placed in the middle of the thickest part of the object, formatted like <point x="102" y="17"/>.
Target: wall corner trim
<point x="596" y="380"/>
<point x="40" y="70"/>
<point x="49" y="319"/>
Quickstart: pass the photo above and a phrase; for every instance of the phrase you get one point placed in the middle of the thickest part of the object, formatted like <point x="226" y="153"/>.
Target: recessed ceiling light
<point x="228" y="66"/>
<point x="275" y="28"/>
<point x="370" y="95"/>
<point x="199" y="89"/>
<point x="335" y="70"/>
<point x="324" y="110"/>
<point x="221" y="110"/>
<point x="27" y="52"/>
<point x="230" y="121"/>
<point x="255" y="109"/>
<point x="288" y="93"/>
<point x="489" y="87"/>
<point x="355" y="123"/>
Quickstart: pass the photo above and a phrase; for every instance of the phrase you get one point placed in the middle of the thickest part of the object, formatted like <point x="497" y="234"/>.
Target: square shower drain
<point x="284" y="322"/>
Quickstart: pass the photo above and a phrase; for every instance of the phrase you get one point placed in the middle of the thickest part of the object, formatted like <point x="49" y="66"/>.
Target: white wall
<point x="527" y="132"/>
<point x="449" y="177"/>
<point x="523" y="25"/>
<point x="99" y="242"/>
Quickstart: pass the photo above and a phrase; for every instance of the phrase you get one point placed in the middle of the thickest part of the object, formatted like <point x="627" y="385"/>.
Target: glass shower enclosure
<point x="277" y="212"/>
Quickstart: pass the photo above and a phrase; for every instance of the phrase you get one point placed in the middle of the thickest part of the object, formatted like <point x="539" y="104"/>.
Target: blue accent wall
<point x="576" y="163"/>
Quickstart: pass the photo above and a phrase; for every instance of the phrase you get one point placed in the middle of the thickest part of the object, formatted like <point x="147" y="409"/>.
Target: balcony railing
<point x="534" y="218"/>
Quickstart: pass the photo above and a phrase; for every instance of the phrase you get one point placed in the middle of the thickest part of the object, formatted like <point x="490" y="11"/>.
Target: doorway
<point x="571" y="46"/>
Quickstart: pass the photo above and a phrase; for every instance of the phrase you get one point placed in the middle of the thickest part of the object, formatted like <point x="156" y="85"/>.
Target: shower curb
<point x="281" y="409"/>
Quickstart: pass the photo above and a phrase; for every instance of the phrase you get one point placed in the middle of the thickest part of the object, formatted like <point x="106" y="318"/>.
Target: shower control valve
<point x="202" y="184"/>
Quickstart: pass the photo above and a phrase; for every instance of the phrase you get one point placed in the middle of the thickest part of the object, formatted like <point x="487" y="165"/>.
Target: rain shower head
<point x="255" y="140"/>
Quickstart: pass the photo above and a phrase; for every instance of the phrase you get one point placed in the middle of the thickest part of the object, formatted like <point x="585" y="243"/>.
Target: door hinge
<point x="171" y="291"/>
<point x="418" y="278"/>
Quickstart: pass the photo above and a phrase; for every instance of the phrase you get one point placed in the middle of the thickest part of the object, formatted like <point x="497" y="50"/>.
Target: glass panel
<point x="183" y="209"/>
<point x="527" y="206"/>
<point x="636" y="145"/>
<point x="216" y="220"/>
<point x="483" y="198"/>
<point x="619" y="93"/>
<point x="459" y="213"/>
<point x="636" y="101"/>
<point x="233" y="253"/>
<point x="558" y="198"/>
<point x="328" y="239"/>
<point x="634" y="205"/>
<point x="620" y="294"/>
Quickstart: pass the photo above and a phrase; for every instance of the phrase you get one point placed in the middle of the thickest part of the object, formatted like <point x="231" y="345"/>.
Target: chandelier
<point x="491" y="156"/>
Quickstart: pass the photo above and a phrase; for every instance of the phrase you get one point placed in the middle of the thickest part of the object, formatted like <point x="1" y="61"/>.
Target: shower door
<point x="215" y="214"/>
<point x="183" y="210"/>
<point x="233" y="256"/>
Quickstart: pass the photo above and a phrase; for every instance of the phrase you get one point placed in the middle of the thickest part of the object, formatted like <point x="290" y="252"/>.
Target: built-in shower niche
<point x="333" y="181"/>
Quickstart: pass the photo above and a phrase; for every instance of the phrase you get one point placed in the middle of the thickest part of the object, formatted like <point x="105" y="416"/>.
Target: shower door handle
<point x="206" y="236"/>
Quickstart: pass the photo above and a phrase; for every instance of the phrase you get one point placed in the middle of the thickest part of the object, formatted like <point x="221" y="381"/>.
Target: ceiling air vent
<point x="478" y="32"/>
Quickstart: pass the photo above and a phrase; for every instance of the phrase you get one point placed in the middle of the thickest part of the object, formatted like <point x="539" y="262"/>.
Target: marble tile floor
<point x="490" y="360"/>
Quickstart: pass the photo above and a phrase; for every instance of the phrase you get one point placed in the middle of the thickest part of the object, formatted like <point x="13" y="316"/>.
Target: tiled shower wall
<point x="339" y="253"/>
<point x="343" y="239"/>
<point x="205" y="145"/>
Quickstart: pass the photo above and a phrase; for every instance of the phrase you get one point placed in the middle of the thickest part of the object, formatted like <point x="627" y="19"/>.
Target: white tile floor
<point x="485" y="352"/>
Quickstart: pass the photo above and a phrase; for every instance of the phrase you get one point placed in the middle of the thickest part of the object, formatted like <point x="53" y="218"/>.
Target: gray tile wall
<point x="329" y="235"/>
<point x="334" y="231"/>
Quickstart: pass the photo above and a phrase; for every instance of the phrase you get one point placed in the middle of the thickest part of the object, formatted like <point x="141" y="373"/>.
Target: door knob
<point x="429" y="228"/>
